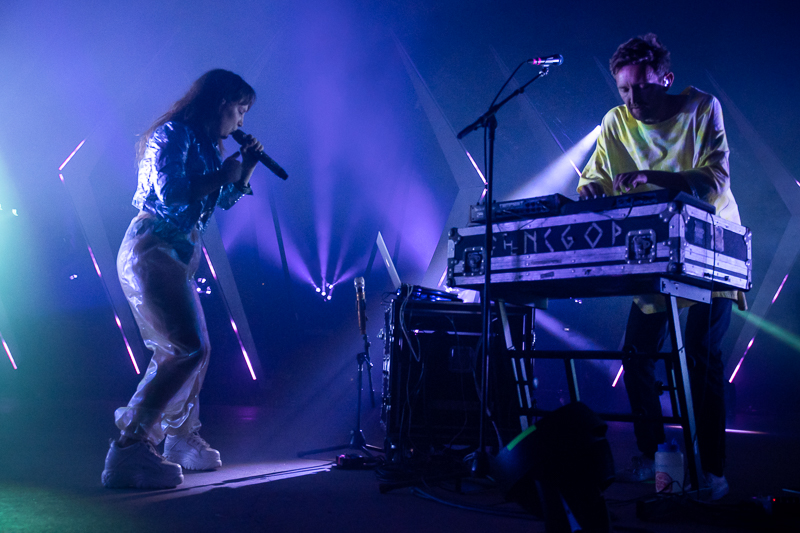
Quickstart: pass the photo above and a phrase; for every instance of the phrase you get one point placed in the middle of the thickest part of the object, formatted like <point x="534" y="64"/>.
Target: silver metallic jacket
<point x="177" y="155"/>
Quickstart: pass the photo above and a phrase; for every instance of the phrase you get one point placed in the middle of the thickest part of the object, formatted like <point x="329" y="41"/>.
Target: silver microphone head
<point x="359" y="283"/>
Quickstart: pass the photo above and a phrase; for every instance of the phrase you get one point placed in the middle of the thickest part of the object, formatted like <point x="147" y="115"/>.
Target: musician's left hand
<point x="627" y="181"/>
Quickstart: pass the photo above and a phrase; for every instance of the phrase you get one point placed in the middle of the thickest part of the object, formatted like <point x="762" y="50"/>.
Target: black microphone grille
<point x="238" y="136"/>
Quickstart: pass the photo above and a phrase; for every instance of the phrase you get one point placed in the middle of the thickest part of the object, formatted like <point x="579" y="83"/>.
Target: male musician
<point x="672" y="141"/>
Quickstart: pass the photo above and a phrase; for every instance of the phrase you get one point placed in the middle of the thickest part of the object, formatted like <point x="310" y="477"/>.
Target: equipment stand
<point x="678" y="381"/>
<point x="480" y="463"/>
<point x="357" y="440"/>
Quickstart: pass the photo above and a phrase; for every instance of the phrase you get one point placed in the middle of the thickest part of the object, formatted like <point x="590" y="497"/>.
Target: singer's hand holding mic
<point x="250" y="149"/>
<point x="252" y="145"/>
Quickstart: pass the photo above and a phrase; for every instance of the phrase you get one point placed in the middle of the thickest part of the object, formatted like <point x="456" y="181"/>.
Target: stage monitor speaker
<point x="432" y="375"/>
<point x="558" y="469"/>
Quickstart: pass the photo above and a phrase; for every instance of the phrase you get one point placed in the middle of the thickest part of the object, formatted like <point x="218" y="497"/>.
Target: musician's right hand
<point x="591" y="190"/>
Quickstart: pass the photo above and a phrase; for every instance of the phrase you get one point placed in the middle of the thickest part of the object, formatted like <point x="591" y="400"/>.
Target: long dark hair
<point x="199" y="107"/>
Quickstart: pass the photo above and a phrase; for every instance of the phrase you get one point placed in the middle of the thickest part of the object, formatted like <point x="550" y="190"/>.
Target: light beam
<point x="8" y="352"/>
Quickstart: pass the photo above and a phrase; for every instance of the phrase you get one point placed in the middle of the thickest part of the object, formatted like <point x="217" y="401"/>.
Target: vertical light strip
<point x="476" y="167"/>
<point x="8" y="352"/>
<point x="244" y="352"/>
<point x="233" y="324"/>
<point x="739" y="365"/>
<point x="619" y="374"/>
<point x="210" y="266"/>
<point x="96" y="269"/>
<point x="127" y="345"/>
<point x="780" y="288"/>
<point x="750" y="344"/>
<point x="96" y="266"/>
<point x="441" y="280"/>
<point x="75" y="151"/>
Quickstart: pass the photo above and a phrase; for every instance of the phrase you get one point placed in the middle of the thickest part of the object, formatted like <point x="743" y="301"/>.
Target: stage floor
<point x="52" y="455"/>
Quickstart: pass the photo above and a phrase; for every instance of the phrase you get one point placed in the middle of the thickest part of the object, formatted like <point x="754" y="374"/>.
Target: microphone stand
<point x="480" y="461"/>
<point x="357" y="440"/>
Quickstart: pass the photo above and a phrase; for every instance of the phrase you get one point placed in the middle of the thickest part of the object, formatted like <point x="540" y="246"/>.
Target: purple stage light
<point x="91" y="253"/>
<point x="210" y="266"/>
<point x="97" y="266"/>
<point x="619" y="375"/>
<point x="8" y="352"/>
<point x="441" y="280"/>
<point x="244" y="352"/>
<point x="127" y="345"/>
<point x="70" y="156"/>
<point x="780" y="288"/>
<point x="739" y="365"/>
<point x="476" y="167"/>
<point x="233" y="324"/>
<point x="351" y="272"/>
<point x="325" y="290"/>
<point x="94" y="261"/>
<point x="729" y="430"/>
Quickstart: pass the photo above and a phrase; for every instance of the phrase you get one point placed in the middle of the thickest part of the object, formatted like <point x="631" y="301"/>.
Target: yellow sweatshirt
<point x="692" y="142"/>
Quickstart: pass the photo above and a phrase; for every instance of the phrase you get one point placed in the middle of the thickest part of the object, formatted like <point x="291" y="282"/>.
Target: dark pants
<point x="704" y="333"/>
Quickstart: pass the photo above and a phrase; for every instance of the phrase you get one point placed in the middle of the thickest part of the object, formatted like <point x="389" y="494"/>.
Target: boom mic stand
<point x="357" y="440"/>
<point x="480" y="461"/>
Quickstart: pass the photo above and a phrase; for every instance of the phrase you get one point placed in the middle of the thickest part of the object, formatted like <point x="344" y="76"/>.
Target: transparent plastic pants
<point x="156" y="266"/>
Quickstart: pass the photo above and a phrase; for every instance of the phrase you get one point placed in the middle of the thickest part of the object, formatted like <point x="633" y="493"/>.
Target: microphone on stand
<point x="555" y="59"/>
<point x="361" y="305"/>
<point x="268" y="162"/>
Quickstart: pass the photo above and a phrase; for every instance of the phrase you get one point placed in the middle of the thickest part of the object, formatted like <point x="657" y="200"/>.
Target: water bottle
<point x="669" y="468"/>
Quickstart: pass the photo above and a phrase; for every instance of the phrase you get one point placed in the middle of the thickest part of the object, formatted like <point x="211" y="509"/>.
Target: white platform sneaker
<point x="139" y="466"/>
<point x="191" y="452"/>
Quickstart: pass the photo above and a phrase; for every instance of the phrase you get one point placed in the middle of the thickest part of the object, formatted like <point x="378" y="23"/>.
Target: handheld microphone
<point x="361" y="305"/>
<point x="555" y="59"/>
<point x="268" y="162"/>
